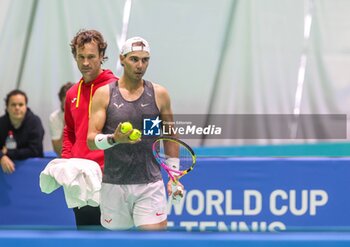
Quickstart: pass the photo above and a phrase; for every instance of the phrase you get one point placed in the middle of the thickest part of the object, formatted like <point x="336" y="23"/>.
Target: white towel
<point x="81" y="180"/>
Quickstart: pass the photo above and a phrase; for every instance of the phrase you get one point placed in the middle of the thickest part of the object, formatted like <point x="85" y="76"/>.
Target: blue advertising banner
<point x="265" y="194"/>
<point x="227" y="194"/>
<point x="23" y="204"/>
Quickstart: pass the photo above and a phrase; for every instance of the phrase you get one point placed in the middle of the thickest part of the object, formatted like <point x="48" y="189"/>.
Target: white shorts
<point x="126" y="206"/>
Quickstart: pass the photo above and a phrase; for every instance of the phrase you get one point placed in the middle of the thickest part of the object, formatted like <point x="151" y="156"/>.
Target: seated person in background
<point x="26" y="128"/>
<point x="56" y="120"/>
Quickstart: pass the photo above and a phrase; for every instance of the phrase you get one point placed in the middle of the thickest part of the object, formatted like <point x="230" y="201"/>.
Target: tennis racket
<point x="175" y="157"/>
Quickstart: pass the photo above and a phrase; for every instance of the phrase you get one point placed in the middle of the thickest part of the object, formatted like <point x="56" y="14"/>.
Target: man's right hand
<point x="120" y="137"/>
<point x="7" y="165"/>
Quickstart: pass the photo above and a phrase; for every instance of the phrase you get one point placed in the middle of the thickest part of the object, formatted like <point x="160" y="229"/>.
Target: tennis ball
<point x="125" y="127"/>
<point x="135" y="135"/>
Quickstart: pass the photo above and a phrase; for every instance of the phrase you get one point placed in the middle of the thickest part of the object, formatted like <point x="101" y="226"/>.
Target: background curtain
<point x="214" y="57"/>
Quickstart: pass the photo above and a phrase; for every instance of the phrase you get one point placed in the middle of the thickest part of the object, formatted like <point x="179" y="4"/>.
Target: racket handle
<point x="176" y="198"/>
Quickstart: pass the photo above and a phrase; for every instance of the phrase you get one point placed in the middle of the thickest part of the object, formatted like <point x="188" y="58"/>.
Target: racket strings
<point x="174" y="150"/>
<point x="185" y="158"/>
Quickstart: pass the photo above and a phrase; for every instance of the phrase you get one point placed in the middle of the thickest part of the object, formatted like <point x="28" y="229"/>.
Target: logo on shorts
<point x="159" y="214"/>
<point x="108" y="221"/>
<point x="151" y="126"/>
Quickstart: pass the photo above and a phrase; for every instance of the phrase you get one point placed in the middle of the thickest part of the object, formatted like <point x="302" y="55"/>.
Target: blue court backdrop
<point x="229" y="194"/>
<point x="265" y="194"/>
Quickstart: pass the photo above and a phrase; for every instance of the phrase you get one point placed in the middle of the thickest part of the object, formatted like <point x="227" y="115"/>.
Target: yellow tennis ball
<point x="125" y="127"/>
<point x="135" y="135"/>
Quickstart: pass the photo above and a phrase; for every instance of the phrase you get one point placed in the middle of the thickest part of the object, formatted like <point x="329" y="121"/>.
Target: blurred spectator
<point x="24" y="127"/>
<point x="56" y="120"/>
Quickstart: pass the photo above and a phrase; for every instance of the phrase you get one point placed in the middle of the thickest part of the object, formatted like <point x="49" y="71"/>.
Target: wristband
<point x="104" y="141"/>
<point x="173" y="163"/>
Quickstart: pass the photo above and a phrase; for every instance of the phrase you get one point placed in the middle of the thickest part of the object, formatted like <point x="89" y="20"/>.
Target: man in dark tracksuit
<point x="26" y="129"/>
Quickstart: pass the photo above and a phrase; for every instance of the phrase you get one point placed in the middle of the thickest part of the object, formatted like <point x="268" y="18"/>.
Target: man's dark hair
<point x="13" y="93"/>
<point x="64" y="89"/>
<point x="87" y="36"/>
